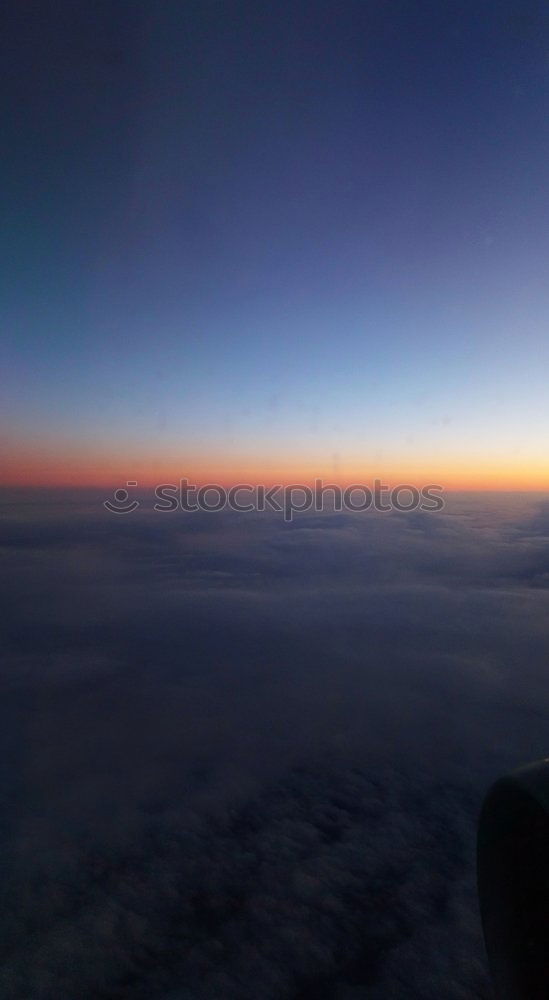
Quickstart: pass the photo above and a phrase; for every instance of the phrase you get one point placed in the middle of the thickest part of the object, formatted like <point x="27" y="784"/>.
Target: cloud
<point x="245" y="759"/>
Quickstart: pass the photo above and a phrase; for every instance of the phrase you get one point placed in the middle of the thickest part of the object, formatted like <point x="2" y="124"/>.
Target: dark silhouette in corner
<point x="513" y="882"/>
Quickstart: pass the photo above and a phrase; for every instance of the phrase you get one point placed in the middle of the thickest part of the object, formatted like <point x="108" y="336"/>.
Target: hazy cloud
<point x="245" y="759"/>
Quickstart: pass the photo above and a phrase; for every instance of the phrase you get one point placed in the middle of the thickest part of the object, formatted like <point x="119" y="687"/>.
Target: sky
<point x="243" y="756"/>
<point x="276" y="241"/>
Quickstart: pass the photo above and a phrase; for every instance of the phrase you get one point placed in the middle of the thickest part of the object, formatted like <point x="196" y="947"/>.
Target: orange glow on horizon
<point x="79" y="467"/>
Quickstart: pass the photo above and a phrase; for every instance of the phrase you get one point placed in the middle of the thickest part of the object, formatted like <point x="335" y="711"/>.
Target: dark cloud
<point x="245" y="759"/>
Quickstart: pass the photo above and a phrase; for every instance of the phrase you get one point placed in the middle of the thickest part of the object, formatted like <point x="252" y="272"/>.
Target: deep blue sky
<point x="278" y="232"/>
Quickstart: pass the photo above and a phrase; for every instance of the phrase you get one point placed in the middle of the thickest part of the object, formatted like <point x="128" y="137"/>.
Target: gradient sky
<point x="305" y="238"/>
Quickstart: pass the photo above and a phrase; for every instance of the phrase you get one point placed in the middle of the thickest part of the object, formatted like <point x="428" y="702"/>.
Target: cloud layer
<point x="245" y="759"/>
